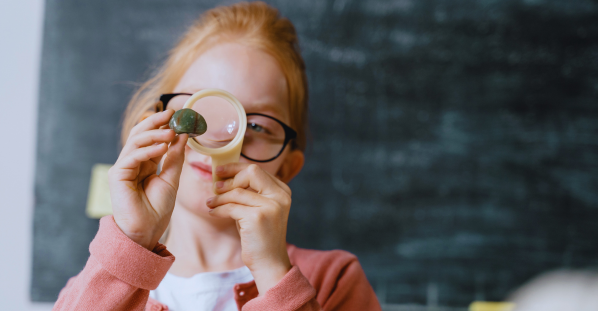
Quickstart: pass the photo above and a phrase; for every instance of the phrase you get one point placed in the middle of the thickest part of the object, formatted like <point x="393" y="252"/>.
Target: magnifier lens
<point x="222" y="120"/>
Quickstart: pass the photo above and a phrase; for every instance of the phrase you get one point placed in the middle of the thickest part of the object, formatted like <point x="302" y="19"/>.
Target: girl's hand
<point x="142" y="202"/>
<point x="260" y="204"/>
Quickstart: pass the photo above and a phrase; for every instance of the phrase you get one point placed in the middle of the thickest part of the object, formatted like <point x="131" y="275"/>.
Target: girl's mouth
<point x="203" y="170"/>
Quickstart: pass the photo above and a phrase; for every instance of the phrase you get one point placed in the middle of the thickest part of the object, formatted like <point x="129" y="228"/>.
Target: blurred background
<point x="454" y="143"/>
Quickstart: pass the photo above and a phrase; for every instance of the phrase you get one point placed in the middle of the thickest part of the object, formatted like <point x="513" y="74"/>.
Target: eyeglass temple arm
<point x="165" y="98"/>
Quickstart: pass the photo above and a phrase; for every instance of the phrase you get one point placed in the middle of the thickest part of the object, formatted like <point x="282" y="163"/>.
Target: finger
<point x="251" y="177"/>
<point x="255" y="178"/>
<point x="152" y="122"/>
<point x="158" y="159"/>
<point x="245" y="180"/>
<point x="232" y="169"/>
<point x="148" y="138"/>
<point x="146" y="169"/>
<point x="173" y="164"/>
<point x="238" y="196"/>
<point x="134" y="159"/>
<point x="230" y="210"/>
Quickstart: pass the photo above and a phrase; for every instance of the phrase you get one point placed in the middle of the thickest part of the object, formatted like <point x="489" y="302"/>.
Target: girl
<point x="231" y="248"/>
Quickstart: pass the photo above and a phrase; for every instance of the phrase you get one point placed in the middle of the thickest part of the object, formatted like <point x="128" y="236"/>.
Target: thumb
<point x="173" y="164"/>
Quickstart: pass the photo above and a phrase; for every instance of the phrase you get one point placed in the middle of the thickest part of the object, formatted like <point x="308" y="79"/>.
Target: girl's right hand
<point x="142" y="201"/>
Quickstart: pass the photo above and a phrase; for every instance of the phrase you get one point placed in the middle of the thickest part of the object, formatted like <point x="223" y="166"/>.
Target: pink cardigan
<point x="120" y="273"/>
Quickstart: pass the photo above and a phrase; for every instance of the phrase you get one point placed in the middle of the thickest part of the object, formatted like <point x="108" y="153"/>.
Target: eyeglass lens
<point x="264" y="138"/>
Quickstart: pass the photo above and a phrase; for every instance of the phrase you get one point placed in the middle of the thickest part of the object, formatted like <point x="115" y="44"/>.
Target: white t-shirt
<point x="209" y="291"/>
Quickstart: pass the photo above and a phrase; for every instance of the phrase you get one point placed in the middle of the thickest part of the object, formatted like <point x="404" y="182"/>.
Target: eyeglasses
<point x="265" y="137"/>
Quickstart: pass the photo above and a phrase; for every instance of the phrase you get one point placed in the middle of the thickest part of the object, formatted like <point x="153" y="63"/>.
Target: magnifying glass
<point x="227" y="122"/>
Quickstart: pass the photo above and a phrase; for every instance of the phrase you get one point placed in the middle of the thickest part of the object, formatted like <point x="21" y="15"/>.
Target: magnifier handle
<point x="229" y="156"/>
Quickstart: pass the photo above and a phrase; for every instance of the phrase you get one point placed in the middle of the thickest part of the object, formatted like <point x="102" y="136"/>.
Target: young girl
<point x="231" y="248"/>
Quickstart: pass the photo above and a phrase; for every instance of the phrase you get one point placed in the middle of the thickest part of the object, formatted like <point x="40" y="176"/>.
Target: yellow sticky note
<point x="491" y="306"/>
<point x="98" y="198"/>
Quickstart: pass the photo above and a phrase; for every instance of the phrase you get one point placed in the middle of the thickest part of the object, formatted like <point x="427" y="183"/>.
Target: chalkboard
<point x="454" y="143"/>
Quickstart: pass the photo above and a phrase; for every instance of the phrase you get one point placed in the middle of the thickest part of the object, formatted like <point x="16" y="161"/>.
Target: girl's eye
<point x="256" y="127"/>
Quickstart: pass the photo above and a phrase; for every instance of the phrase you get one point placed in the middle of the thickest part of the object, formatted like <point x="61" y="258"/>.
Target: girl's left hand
<point x="260" y="204"/>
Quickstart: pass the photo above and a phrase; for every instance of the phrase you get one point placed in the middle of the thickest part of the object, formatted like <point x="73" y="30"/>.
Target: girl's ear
<point x="292" y="165"/>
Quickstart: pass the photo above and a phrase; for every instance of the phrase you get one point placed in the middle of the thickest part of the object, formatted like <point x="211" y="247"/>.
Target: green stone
<point x="188" y="121"/>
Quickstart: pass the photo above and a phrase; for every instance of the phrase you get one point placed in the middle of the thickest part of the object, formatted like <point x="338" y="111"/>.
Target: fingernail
<point x="210" y="200"/>
<point x="220" y="169"/>
<point x="219" y="184"/>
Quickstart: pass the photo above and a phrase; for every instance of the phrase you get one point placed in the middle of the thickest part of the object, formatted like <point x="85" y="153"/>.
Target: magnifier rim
<point x="240" y="111"/>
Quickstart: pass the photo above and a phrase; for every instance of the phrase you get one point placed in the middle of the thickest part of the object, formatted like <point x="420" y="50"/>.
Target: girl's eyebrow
<point x="274" y="109"/>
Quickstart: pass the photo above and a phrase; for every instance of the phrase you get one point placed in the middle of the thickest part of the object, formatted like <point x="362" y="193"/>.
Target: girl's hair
<point x="253" y="24"/>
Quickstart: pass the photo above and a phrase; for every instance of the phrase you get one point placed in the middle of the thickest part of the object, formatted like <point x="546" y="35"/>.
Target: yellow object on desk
<point x="491" y="306"/>
<point x="98" y="198"/>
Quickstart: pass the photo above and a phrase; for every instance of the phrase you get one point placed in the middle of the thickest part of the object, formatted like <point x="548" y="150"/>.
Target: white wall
<point x="21" y="23"/>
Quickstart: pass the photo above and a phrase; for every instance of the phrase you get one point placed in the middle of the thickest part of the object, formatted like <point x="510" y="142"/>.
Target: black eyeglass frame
<point x="289" y="133"/>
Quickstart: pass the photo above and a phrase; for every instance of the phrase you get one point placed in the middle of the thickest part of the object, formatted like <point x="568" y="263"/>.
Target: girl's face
<point x="256" y="80"/>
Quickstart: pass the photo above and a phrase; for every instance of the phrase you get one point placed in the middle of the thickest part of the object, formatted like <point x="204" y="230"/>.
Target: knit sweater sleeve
<point x="349" y="290"/>
<point x="118" y="274"/>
